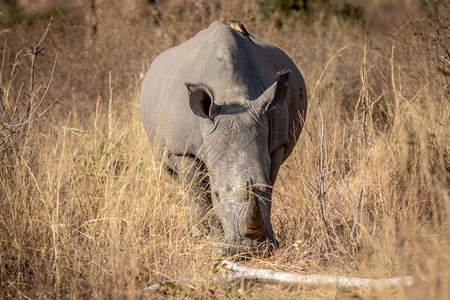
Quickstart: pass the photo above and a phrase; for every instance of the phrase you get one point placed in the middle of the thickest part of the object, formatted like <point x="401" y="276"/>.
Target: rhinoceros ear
<point x="201" y="100"/>
<point x="275" y="94"/>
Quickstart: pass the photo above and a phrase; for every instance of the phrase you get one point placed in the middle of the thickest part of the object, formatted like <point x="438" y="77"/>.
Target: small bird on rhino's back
<point x="237" y="25"/>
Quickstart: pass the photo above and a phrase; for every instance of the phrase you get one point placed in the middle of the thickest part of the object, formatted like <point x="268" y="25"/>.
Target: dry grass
<point x="365" y="193"/>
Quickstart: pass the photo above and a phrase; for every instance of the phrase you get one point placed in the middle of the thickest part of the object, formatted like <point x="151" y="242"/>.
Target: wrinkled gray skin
<point x="232" y="109"/>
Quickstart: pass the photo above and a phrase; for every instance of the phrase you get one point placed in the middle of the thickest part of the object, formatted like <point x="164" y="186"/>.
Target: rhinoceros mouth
<point x="245" y="247"/>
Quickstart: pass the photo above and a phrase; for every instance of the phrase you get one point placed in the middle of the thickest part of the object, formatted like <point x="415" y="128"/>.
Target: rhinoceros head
<point x="241" y="166"/>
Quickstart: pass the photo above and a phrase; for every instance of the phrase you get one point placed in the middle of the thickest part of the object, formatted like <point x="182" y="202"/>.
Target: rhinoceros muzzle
<point x="253" y="232"/>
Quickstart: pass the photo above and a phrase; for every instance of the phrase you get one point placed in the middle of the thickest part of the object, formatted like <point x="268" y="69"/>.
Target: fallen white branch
<point x="314" y="280"/>
<point x="285" y="278"/>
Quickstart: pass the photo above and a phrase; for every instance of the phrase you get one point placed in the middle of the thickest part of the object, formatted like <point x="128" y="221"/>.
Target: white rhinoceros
<point x="233" y="109"/>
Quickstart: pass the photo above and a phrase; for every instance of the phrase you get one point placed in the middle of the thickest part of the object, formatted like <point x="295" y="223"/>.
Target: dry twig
<point x="16" y="120"/>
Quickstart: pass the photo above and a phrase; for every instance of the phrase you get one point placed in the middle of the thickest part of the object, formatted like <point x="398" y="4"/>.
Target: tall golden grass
<point x="87" y="210"/>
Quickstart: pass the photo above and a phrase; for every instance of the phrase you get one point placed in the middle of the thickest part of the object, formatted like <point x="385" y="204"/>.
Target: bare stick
<point x="34" y="113"/>
<point x="34" y="52"/>
<point x="322" y="184"/>
<point x="366" y="133"/>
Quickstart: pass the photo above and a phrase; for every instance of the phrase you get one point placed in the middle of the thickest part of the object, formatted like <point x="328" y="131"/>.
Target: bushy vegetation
<point x="87" y="210"/>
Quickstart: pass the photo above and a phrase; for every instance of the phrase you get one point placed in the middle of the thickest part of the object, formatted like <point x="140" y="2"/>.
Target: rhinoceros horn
<point x="251" y="223"/>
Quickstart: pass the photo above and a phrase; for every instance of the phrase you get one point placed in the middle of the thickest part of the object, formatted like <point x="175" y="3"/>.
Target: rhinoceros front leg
<point x="192" y="174"/>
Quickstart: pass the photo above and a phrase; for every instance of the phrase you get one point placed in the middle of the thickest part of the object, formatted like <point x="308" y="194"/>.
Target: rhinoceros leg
<point x="192" y="174"/>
